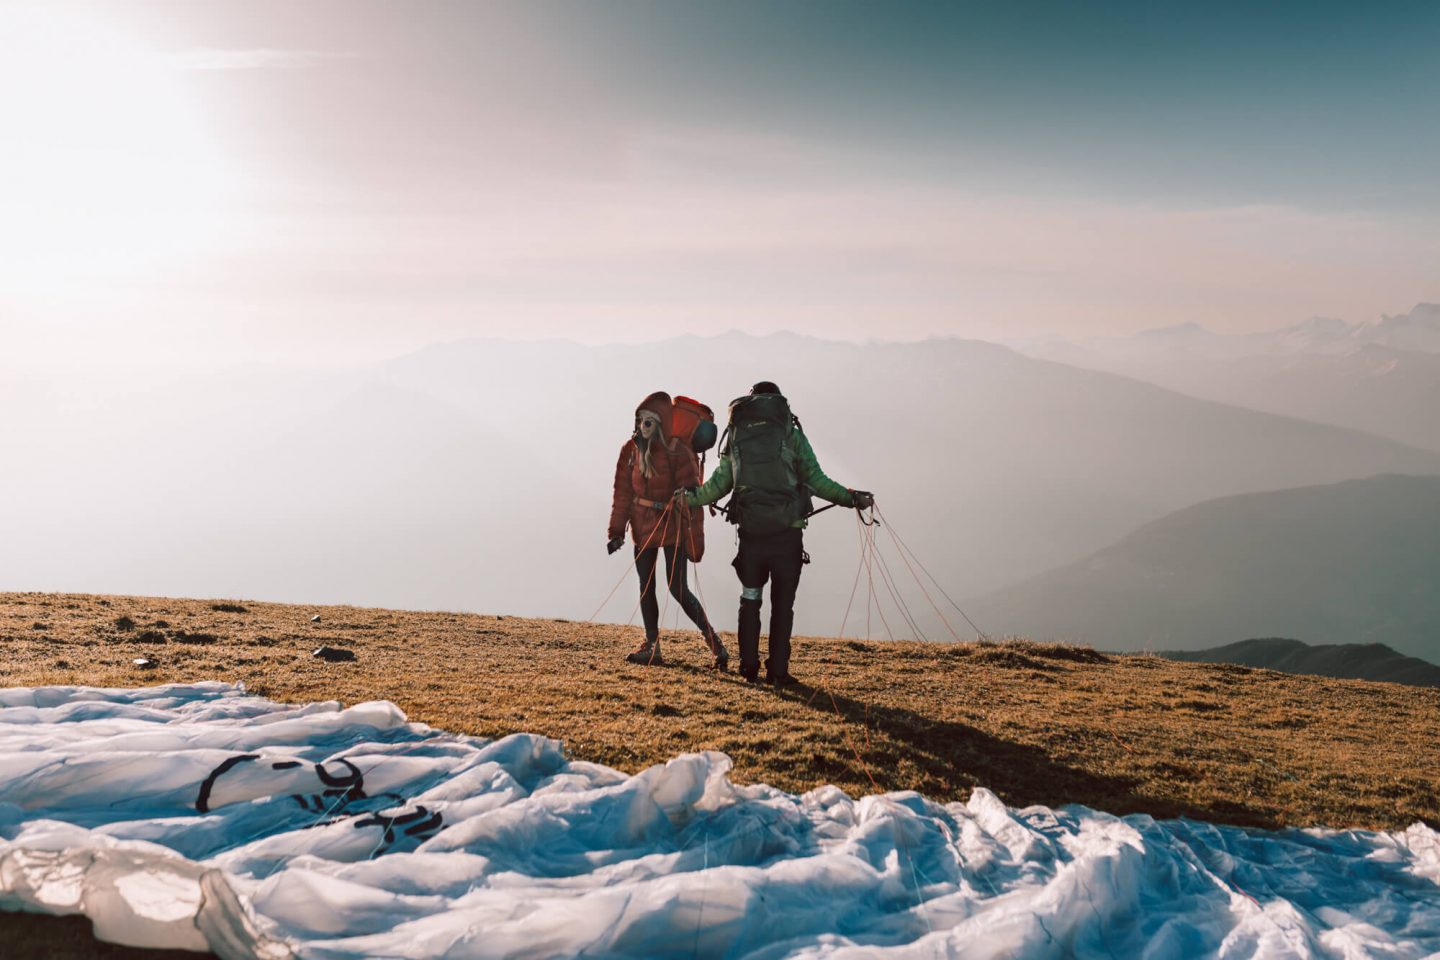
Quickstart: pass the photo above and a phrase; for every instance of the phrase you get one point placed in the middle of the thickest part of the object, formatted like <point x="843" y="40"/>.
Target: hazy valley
<point x="476" y="475"/>
<point x="1352" y="562"/>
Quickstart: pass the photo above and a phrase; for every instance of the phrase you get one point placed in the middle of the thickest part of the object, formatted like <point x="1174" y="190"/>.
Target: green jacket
<point x="807" y="468"/>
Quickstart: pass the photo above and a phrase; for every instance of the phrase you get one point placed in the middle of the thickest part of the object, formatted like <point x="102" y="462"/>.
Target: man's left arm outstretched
<point x="807" y="468"/>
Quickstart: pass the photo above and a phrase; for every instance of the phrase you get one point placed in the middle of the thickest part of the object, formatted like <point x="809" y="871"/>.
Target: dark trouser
<point x="777" y="558"/>
<point x="646" y="566"/>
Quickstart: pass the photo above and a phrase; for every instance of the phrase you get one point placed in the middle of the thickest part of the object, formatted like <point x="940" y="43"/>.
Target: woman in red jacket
<point x="650" y="469"/>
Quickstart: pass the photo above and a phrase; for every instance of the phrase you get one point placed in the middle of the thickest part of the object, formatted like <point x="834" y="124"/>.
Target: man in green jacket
<point x="771" y="467"/>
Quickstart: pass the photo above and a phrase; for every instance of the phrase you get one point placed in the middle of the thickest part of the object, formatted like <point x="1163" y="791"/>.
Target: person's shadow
<point x="949" y="758"/>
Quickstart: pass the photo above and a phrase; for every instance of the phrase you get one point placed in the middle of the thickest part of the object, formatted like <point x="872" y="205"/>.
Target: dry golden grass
<point x="1036" y="723"/>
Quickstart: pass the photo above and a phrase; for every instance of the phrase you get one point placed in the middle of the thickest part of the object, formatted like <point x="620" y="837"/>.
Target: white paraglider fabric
<point x="199" y="817"/>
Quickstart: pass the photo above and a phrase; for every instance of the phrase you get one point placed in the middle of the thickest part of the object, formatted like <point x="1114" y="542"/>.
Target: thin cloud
<point x="261" y="58"/>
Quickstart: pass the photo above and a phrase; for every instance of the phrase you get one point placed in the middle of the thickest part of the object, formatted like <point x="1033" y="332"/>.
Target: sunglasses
<point x="643" y="421"/>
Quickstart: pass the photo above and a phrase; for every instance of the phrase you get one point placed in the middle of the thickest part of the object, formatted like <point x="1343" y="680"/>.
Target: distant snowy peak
<point x="1417" y="330"/>
<point x="1316" y="335"/>
<point x="1323" y="327"/>
<point x="1381" y="377"/>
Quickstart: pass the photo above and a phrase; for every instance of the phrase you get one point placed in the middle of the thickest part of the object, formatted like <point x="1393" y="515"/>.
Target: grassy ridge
<point x="1036" y="723"/>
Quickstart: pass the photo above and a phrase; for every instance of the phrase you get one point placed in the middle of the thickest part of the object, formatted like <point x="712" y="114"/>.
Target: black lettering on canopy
<point x="340" y="788"/>
<point x="202" y="802"/>
<point x="420" y="822"/>
<point x="349" y="786"/>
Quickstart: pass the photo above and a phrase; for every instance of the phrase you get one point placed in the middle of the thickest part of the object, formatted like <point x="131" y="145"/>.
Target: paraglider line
<point x="633" y="561"/>
<point x="906" y="547"/>
<point x="892" y="585"/>
<point x="921" y="584"/>
<point x="867" y="551"/>
<point x="843" y="621"/>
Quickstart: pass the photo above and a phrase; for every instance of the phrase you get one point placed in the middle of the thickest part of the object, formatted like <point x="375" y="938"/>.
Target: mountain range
<point x="990" y="464"/>
<point x="1344" y="661"/>
<point x="477" y="474"/>
<point x="1344" y="563"/>
<point x="1378" y="377"/>
<point x="1418" y="330"/>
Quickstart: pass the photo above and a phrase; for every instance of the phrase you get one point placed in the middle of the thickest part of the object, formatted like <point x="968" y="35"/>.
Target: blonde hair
<point x="657" y="438"/>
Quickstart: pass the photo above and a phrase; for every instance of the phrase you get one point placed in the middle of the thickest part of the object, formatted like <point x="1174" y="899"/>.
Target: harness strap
<point x="652" y="504"/>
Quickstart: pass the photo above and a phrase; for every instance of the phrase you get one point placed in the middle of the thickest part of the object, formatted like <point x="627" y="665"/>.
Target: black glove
<point x="862" y="499"/>
<point x="615" y="543"/>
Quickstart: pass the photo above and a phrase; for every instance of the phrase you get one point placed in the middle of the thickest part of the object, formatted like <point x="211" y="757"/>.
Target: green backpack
<point x="768" y="497"/>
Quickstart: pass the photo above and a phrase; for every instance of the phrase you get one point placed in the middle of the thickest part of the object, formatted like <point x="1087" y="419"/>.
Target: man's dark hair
<point x="764" y="386"/>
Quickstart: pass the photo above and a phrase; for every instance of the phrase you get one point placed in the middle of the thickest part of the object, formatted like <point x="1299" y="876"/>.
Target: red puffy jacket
<point x="652" y="526"/>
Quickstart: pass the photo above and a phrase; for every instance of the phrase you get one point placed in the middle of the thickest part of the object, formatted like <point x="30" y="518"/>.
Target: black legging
<point x="645" y="566"/>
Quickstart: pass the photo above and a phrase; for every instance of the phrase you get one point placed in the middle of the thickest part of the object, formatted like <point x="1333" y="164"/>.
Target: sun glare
<point x="107" y="166"/>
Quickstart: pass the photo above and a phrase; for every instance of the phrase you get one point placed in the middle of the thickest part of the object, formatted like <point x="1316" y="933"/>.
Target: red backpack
<point x="694" y="423"/>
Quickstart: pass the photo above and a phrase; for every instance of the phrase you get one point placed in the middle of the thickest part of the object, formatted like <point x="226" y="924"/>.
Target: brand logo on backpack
<point x="768" y="498"/>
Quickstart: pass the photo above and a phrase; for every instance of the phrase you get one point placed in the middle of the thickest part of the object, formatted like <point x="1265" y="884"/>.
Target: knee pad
<point x="751" y="594"/>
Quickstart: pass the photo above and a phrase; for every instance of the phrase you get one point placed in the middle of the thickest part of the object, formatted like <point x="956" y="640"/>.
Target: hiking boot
<point x="647" y="654"/>
<point x="717" y="650"/>
<point x="781" y="680"/>
<point x="752" y="675"/>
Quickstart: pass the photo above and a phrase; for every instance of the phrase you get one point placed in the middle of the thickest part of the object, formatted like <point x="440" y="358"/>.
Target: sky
<point x="336" y="182"/>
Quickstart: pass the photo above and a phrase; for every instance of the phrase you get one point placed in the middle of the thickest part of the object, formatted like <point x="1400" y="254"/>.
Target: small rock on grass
<point x="143" y="663"/>
<point x="333" y="654"/>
